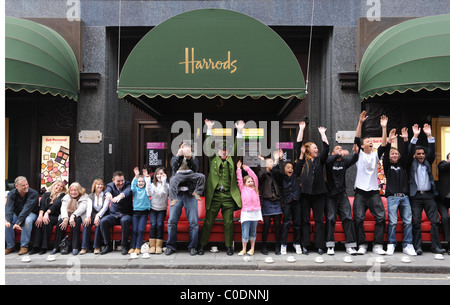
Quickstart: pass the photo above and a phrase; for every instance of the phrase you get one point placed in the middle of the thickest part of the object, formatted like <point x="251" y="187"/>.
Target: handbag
<point x="64" y="245"/>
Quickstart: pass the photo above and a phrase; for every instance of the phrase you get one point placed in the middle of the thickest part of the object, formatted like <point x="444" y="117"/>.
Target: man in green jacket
<point x="222" y="191"/>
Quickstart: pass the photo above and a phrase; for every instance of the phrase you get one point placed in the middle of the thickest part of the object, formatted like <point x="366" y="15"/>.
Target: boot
<point x="152" y="245"/>
<point x="159" y="243"/>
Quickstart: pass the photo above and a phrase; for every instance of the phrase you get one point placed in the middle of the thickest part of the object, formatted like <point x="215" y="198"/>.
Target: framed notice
<point x="54" y="160"/>
<point x="288" y="151"/>
<point x="156" y="154"/>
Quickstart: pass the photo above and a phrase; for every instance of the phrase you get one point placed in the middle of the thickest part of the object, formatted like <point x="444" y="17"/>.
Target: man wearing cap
<point x="222" y="191"/>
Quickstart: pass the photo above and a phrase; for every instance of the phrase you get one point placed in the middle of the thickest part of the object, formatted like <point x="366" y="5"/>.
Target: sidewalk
<point x="181" y="259"/>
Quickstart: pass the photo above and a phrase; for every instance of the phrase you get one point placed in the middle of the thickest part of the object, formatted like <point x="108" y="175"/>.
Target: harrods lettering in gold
<point x="191" y="64"/>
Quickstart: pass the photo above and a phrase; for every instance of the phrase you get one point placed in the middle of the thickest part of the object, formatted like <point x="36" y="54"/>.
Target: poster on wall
<point x="54" y="160"/>
<point x="156" y="154"/>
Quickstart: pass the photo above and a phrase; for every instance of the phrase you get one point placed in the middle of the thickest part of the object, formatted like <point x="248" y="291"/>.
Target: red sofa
<point x="217" y="234"/>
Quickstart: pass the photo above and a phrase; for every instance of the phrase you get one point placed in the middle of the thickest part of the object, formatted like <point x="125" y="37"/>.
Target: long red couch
<point x="217" y="232"/>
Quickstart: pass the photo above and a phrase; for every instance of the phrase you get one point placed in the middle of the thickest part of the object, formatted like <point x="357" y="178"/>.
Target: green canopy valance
<point x="212" y="52"/>
<point x="39" y="59"/>
<point x="412" y="55"/>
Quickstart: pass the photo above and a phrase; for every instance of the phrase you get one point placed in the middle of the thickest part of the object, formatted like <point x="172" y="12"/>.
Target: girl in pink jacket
<point x="251" y="207"/>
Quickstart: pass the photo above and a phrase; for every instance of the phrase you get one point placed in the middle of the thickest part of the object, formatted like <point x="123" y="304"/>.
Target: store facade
<point x="136" y="128"/>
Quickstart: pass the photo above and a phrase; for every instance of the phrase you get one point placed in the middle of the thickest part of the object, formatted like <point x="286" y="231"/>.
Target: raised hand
<point x="427" y="129"/>
<point x="239" y="125"/>
<point x="209" y="123"/>
<point x="239" y="164"/>
<point x="404" y="134"/>
<point x="392" y="135"/>
<point x="383" y="121"/>
<point x="363" y="116"/>
<point x="416" y="130"/>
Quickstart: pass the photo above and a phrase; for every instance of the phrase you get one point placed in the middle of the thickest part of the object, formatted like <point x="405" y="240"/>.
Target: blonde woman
<point x="49" y="210"/>
<point x="96" y="208"/>
<point x="73" y="213"/>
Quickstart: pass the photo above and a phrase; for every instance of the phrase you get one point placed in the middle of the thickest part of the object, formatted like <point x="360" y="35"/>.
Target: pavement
<point x="181" y="259"/>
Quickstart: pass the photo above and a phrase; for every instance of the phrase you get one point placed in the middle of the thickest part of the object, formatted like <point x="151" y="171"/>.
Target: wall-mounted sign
<point x="253" y="133"/>
<point x="90" y="136"/>
<point x="156" y="154"/>
<point x="54" y="160"/>
<point x="345" y="137"/>
<point x="288" y="151"/>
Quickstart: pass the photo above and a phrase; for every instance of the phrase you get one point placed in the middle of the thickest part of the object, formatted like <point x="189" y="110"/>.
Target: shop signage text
<point x="191" y="64"/>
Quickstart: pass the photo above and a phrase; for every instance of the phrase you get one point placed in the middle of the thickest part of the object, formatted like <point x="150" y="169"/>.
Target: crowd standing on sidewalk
<point x="284" y="192"/>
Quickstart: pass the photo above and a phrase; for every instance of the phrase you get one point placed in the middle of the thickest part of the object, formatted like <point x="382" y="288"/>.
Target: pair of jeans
<point x="25" y="235"/>
<point x="339" y="205"/>
<point x="248" y="229"/>
<point x="426" y="202"/>
<point x="369" y="200"/>
<point x="157" y="223"/>
<point x="292" y="212"/>
<point x="189" y="203"/>
<point x="139" y="223"/>
<point x="87" y="236"/>
<point x="401" y="204"/>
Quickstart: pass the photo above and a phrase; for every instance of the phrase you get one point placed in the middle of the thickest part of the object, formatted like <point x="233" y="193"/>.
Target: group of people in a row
<point x="280" y="191"/>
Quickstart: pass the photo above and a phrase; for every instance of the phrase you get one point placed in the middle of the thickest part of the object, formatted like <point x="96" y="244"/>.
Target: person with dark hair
<point x="397" y="194"/>
<point x="444" y="197"/>
<point x="270" y="192"/>
<point x="337" y="199"/>
<point x="291" y="193"/>
<point x="422" y="189"/>
<point x="367" y="195"/>
<point x="120" y="212"/>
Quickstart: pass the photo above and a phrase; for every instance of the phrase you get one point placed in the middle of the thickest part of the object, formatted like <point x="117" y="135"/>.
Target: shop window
<point x="441" y="132"/>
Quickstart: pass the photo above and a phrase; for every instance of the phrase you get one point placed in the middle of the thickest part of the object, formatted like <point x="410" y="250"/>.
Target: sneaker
<point x="351" y="251"/>
<point x="330" y="251"/>
<point x="378" y="249"/>
<point x="362" y="249"/>
<point x="409" y="249"/>
<point x="390" y="249"/>
<point x="251" y="252"/>
<point x="298" y="249"/>
<point x="283" y="249"/>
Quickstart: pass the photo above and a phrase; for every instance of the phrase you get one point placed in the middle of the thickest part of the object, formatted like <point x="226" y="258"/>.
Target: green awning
<point x="412" y="55"/>
<point x="212" y="52"/>
<point x="39" y="59"/>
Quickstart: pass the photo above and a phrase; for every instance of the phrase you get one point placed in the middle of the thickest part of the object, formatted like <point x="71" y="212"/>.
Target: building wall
<point x="100" y="109"/>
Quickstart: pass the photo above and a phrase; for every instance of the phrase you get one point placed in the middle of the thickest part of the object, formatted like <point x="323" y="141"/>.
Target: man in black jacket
<point x="120" y="211"/>
<point x="20" y="212"/>
<point x="337" y="199"/>
<point x="444" y="196"/>
<point x="422" y="189"/>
